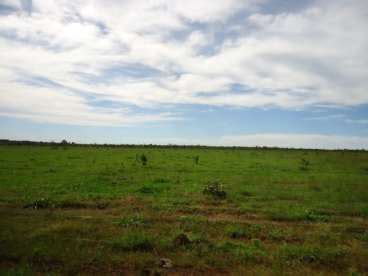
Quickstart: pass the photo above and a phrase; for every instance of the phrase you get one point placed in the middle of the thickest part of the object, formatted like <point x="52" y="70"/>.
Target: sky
<point x="280" y="73"/>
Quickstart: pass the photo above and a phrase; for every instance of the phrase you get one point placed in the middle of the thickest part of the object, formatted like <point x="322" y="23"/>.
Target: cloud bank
<point x="280" y="140"/>
<point x="113" y="63"/>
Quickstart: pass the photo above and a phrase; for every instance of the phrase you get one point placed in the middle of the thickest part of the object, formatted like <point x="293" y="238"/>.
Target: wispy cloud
<point x="154" y="53"/>
<point x="357" y="121"/>
<point x="328" y="117"/>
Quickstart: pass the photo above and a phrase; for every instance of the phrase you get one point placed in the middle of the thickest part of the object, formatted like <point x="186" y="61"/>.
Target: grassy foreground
<point x="99" y="210"/>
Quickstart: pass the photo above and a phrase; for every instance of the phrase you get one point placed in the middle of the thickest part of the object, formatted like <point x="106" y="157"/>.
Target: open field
<point x="99" y="210"/>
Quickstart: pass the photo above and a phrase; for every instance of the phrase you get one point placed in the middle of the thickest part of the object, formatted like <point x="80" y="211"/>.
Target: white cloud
<point x="290" y="140"/>
<point x="314" y="141"/>
<point x="57" y="105"/>
<point x="208" y="10"/>
<point x="291" y="60"/>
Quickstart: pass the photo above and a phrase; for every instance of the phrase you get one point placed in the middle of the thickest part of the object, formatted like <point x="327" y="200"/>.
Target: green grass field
<point x="99" y="210"/>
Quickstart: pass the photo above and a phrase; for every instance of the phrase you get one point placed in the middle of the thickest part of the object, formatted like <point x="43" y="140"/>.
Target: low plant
<point x="133" y="221"/>
<point x="137" y="241"/>
<point x="304" y="164"/>
<point x="236" y="232"/>
<point x="41" y="203"/>
<point x="247" y="231"/>
<point x="144" y="159"/>
<point x="215" y="190"/>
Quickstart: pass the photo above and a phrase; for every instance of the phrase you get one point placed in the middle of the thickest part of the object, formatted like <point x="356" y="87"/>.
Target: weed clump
<point x="133" y="242"/>
<point x="362" y="237"/>
<point x="150" y="189"/>
<point x="304" y="165"/>
<point x="238" y="232"/>
<point x="215" y="190"/>
<point x="181" y="240"/>
<point x="41" y="203"/>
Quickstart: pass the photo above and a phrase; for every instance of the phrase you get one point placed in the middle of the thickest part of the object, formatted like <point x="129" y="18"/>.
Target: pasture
<point x="184" y="211"/>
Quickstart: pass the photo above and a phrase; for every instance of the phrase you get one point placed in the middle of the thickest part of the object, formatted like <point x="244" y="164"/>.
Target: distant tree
<point x="64" y="142"/>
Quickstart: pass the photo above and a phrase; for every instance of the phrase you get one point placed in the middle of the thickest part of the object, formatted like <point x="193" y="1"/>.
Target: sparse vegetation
<point x="100" y="210"/>
<point x="133" y="221"/>
<point x="137" y="241"/>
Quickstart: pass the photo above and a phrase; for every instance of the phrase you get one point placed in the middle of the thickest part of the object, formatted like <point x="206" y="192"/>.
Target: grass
<point x="135" y="241"/>
<point x="133" y="221"/>
<point x="94" y="210"/>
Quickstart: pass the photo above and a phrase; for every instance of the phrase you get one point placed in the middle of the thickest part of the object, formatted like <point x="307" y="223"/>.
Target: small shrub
<point x="248" y="231"/>
<point x="215" y="190"/>
<point x="133" y="242"/>
<point x="246" y="193"/>
<point x="144" y="160"/>
<point x="102" y="205"/>
<point x="313" y="216"/>
<point x="181" y="240"/>
<point x="362" y="236"/>
<point x="196" y="160"/>
<point x="365" y="170"/>
<point x="236" y="232"/>
<point x="304" y="164"/>
<point x="150" y="190"/>
<point x="160" y="181"/>
<point x="51" y="170"/>
<point x="257" y="243"/>
<point x="146" y="190"/>
<point x="40" y="204"/>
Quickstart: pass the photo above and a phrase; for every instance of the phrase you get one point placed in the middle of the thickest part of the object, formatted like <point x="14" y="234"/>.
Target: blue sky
<point x="216" y="72"/>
